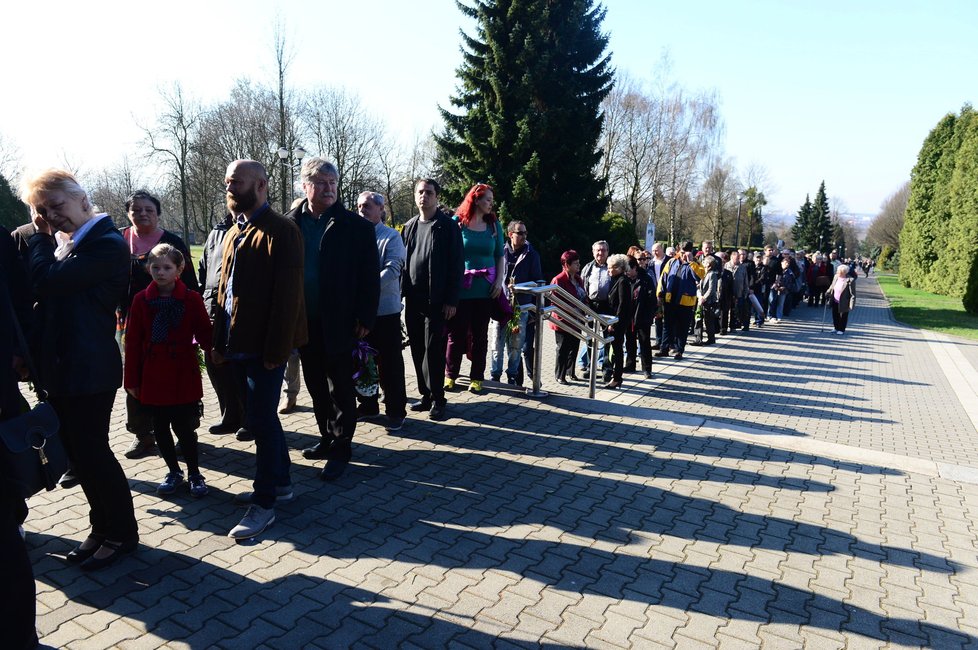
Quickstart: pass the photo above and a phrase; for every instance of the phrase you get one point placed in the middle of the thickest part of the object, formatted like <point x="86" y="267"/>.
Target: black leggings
<point x="184" y="420"/>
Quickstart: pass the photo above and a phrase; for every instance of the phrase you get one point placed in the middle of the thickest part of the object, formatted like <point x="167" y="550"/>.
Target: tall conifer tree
<point x="528" y="117"/>
<point x="801" y="232"/>
<point x="928" y="210"/>
<point x="821" y="221"/>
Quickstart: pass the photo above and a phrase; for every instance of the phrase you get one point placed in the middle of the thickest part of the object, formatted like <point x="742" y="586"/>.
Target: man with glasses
<point x="597" y="283"/>
<point x="522" y="265"/>
<point x="656" y="264"/>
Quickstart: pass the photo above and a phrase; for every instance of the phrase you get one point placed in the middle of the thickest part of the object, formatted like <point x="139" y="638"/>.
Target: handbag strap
<point x="42" y="395"/>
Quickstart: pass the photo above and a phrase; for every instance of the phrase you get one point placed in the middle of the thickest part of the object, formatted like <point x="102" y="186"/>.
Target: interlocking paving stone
<point x="807" y="506"/>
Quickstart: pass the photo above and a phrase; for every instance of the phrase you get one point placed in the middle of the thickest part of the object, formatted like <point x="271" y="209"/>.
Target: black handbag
<point x="32" y="457"/>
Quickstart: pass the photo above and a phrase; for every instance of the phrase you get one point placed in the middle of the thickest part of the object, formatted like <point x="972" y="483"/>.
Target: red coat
<point x="166" y="373"/>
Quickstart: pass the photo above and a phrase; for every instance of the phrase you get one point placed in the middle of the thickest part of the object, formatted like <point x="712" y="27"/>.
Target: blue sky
<point x="840" y="91"/>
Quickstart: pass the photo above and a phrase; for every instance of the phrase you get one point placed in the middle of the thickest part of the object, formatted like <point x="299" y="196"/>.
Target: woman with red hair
<point x="485" y="272"/>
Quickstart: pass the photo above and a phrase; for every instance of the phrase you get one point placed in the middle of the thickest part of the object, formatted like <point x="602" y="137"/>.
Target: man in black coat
<point x="342" y="288"/>
<point x="17" y="614"/>
<point x="430" y="283"/>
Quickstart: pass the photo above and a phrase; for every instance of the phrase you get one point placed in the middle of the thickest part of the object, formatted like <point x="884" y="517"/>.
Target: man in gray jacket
<point x="385" y="337"/>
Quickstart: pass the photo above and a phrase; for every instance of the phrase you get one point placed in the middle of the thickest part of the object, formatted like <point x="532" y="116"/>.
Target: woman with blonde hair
<point x="78" y="286"/>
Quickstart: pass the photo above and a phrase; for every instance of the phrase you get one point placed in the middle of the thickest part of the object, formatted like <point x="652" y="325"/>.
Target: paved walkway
<point x="783" y="489"/>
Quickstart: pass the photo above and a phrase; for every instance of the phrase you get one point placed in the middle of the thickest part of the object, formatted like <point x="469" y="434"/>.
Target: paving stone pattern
<point x="520" y="522"/>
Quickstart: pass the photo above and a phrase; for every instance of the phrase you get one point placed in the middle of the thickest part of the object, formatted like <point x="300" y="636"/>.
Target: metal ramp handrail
<point x="570" y="315"/>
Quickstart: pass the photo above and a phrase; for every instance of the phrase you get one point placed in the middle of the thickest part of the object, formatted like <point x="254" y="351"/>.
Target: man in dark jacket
<point x="17" y="614"/>
<point x="341" y="278"/>
<point x="229" y="398"/>
<point x="522" y="265"/>
<point x="431" y="281"/>
<point x="645" y="305"/>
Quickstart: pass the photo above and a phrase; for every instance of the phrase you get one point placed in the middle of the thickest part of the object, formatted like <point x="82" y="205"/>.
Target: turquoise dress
<point x="481" y="250"/>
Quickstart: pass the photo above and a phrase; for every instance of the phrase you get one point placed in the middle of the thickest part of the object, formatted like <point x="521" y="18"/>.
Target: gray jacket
<point x="390" y="249"/>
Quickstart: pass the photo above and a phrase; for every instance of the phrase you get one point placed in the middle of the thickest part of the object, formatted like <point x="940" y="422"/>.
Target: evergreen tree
<point x="821" y="237"/>
<point x="928" y="210"/>
<point x="802" y="231"/>
<point x="13" y="212"/>
<point x="957" y="259"/>
<point x="530" y="88"/>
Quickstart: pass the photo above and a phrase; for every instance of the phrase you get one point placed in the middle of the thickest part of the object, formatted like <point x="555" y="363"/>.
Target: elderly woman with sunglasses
<point x="144" y="210"/>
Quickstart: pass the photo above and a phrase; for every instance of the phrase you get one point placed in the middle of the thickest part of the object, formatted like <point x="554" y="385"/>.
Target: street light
<point x="290" y="159"/>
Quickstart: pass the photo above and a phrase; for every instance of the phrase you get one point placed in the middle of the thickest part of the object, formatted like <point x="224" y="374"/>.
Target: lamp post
<point x="289" y="159"/>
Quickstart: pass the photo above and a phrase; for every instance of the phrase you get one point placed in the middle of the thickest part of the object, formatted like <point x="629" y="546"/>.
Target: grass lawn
<point x="195" y="252"/>
<point x="928" y="311"/>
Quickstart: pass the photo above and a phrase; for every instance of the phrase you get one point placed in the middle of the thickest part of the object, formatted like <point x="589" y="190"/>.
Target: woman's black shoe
<point x="613" y="384"/>
<point x="79" y="554"/>
<point x="118" y="549"/>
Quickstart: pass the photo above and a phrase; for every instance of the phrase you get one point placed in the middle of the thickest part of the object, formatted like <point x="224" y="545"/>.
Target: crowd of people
<point x="318" y="288"/>
<point x="663" y="295"/>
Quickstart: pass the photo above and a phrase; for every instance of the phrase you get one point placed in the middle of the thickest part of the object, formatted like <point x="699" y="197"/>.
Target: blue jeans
<point x="776" y="304"/>
<point x="261" y="387"/>
<point x="512" y="345"/>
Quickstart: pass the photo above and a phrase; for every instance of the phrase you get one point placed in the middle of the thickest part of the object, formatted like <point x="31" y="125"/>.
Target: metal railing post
<point x="538" y="349"/>
<point x="596" y="325"/>
<point x="574" y="317"/>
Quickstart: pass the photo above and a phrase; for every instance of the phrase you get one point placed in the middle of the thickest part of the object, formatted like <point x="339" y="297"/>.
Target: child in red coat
<point x="162" y="370"/>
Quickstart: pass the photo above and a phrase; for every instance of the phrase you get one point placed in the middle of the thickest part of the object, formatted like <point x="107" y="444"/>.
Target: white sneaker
<point x="253" y="523"/>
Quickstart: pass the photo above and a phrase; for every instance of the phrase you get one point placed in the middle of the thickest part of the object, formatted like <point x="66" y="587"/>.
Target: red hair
<point x="464" y="211"/>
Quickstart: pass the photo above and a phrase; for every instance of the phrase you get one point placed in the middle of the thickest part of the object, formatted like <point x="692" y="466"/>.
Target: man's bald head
<point x="246" y="182"/>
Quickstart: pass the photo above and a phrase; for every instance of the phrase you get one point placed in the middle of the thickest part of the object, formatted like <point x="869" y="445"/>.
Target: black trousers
<point x="631" y="347"/>
<point x="644" y="335"/>
<point x="229" y="397"/>
<point x="426" y="330"/>
<point x="329" y="380"/>
<point x="566" y="352"/>
<point x="839" y="320"/>
<point x="139" y="418"/>
<point x="17" y="577"/>
<point x="85" y="434"/>
<point x="617" y="352"/>
<point x="385" y="337"/>
<point x="184" y="420"/>
<point x="675" y="327"/>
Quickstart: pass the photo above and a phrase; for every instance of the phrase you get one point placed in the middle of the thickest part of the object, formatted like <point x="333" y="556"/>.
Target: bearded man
<point x="259" y="321"/>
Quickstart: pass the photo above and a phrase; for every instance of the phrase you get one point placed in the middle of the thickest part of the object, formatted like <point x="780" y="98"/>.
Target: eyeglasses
<point x="521" y="233"/>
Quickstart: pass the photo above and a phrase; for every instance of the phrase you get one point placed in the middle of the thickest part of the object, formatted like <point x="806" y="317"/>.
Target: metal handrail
<point x="570" y="315"/>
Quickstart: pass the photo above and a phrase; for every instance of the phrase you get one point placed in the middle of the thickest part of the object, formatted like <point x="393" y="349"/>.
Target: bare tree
<point x="718" y="197"/>
<point x="110" y="188"/>
<point x="10" y="160"/>
<point x="886" y="226"/>
<point x="171" y="140"/>
<point x="689" y="126"/>
<point x="288" y="127"/>
<point x="343" y="131"/>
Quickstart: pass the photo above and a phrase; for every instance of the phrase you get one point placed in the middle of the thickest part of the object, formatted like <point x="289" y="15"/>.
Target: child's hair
<point x="166" y="250"/>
